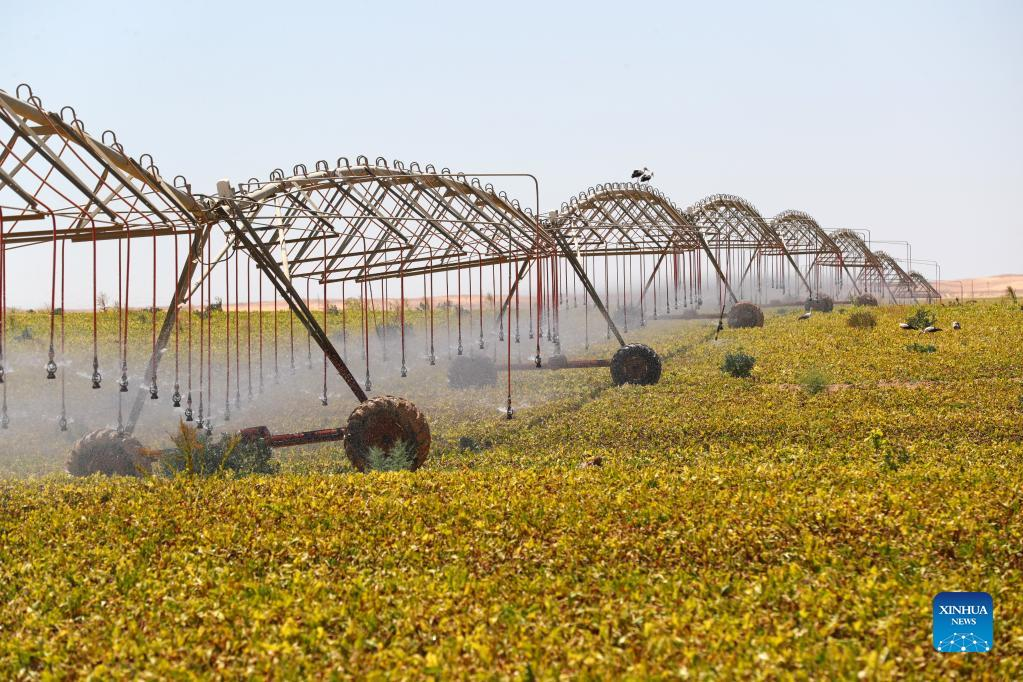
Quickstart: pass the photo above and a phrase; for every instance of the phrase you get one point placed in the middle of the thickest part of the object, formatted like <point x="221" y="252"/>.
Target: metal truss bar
<point x="261" y="254"/>
<point x="181" y="291"/>
<point x="581" y="274"/>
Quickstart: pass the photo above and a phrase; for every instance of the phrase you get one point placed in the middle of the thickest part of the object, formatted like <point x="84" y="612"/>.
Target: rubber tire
<point x="476" y="371"/>
<point x="635" y="364"/>
<point x="557" y="362"/>
<point x="824" y="304"/>
<point x="745" y="315"/>
<point x="107" y="452"/>
<point x="380" y="422"/>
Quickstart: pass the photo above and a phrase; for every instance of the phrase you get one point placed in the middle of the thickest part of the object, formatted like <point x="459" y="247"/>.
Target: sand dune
<point x="991" y="286"/>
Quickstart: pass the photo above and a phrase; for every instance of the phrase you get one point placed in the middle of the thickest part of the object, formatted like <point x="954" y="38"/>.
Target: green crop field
<point x="792" y="524"/>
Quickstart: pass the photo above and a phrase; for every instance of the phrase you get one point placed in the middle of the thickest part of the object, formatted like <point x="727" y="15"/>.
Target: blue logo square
<point x="964" y="622"/>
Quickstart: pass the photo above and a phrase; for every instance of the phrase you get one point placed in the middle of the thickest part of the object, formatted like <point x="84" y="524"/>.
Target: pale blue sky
<point x="900" y="117"/>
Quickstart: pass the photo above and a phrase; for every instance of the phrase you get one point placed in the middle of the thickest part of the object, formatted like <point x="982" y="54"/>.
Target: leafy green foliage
<point x="196" y="453"/>
<point x="734" y="530"/>
<point x="400" y="457"/>
<point x="814" y="381"/>
<point x="917" y="347"/>
<point x="922" y="318"/>
<point x="892" y="456"/>
<point x="738" y="364"/>
<point x="862" y="319"/>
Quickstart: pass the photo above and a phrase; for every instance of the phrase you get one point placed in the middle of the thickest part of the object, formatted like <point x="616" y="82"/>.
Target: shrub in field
<point x="921" y="318"/>
<point x="916" y="347"/>
<point x="865" y="300"/>
<point x="469" y="444"/>
<point x="813" y="381"/>
<point x="400" y="458"/>
<point x="196" y="453"/>
<point x="738" y="364"/>
<point x="891" y="455"/>
<point x="862" y="319"/>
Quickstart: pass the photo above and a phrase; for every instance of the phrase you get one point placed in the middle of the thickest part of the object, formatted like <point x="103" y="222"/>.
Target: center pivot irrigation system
<point x="378" y="229"/>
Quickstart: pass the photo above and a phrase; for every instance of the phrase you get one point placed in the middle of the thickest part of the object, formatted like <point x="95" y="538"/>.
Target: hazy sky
<point x="905" y="118"/>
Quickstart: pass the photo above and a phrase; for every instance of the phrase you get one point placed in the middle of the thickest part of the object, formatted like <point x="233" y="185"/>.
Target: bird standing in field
<point x="956" y="325"/>
<point x="805" y="316"/>
<point x="903" y="325"/>
<point x="931" y="329"/>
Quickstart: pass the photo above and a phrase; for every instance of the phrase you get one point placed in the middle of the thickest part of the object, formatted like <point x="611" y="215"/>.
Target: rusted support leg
<point x="717" y="269"/>
<point x="514" y="287"/>
<point x="566" y="250"/>
<point x="181" y="291"/>
<point x="251" y="242"/>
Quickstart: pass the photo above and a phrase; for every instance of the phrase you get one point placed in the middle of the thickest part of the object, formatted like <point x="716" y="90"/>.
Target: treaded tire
<point x="745" y="315"/>
<point x="107" y="452"/>
<point x="823" y="304"/>
<point x="557" y="362"/>
<point x="474" y="371"/>
<point x="635" y="364"/>
<point x="381" y="422"/>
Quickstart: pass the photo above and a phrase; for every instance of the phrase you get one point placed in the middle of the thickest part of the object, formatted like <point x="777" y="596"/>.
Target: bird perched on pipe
<point x="645" y="175"/>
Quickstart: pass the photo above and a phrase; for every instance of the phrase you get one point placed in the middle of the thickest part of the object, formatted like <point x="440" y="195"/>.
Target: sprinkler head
<point x="97" y="378"/>
<point x="176" y="397"/>
<point x="154" y="392"/>
<point x="460" y="348"/>
<point x="62" y="423"/>
<point x="1" y="374"/>
<point x="509" y="412"/>
<point x="433" y="358"/>
<point x="537" y="360"/>
<point x="51" y="369"/>
<point x="481" y="343"/>
<point x="369" y="384"/>
<point x="5" y="421"/>
<point x="404" y="370"/>
<point x="323" y="399"/>
<point x="188" y="414"/>
<point x="123" y="383"/>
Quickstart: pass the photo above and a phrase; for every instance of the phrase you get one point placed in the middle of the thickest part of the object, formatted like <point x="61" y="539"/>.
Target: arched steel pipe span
<point x="380" y="227"/>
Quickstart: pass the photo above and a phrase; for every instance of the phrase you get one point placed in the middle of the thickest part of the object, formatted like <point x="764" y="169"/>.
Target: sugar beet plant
<point x="199" y="454"/>
<point x="922" y="318"/>
<point x="738" y="364"/>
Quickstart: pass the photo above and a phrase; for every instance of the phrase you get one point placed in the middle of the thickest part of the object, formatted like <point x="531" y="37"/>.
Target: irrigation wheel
<point x="822" y="304"/>
<point x="557" y="362"/>
<point x="635" y="364"/>
<point x="472" y="372"/>
<point x="378" y="425"/>
<point x="744" y="315"/>
<point x="107" y="452"/>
